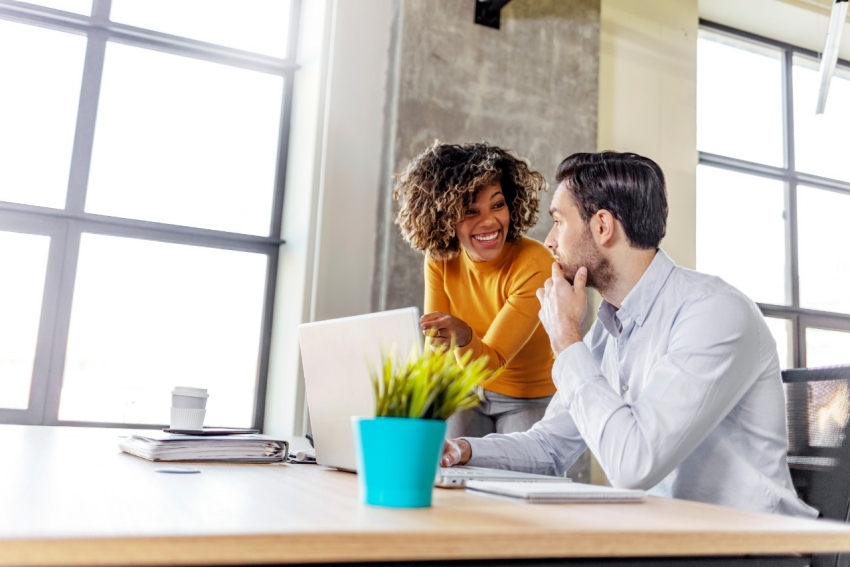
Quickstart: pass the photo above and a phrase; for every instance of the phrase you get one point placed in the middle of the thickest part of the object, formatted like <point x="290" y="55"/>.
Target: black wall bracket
<point x="488" y="12"/>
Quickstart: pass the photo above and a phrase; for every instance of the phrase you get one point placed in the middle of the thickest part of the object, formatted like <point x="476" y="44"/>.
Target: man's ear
<point x="604" y="226"/>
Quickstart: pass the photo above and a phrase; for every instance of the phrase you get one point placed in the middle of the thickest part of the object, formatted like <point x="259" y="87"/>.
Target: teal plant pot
<point x="397" y="459"/>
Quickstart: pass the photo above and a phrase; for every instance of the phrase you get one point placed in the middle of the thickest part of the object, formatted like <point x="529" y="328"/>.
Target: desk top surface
<point x="69" y="496"/>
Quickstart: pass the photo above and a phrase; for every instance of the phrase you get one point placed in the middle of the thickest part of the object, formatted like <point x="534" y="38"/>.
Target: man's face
<point x="572" y="243"/>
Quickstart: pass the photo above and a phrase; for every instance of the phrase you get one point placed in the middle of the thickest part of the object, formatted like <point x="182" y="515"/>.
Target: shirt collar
<point x="607" y="317"/>
<point x="638" y="303"/>
<point x="641" y="298"/>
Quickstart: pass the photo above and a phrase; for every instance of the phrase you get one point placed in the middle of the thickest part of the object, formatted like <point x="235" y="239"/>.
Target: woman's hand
<point x="441" y="326"/>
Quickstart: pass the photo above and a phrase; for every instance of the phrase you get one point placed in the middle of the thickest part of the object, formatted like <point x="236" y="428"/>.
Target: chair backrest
<point x="817" y="406"/>
<point x="818" y="416"/>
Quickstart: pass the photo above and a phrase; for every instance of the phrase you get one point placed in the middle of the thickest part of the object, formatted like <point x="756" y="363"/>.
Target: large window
<point x="773" y="188"/>
<point x="142" y="162"/>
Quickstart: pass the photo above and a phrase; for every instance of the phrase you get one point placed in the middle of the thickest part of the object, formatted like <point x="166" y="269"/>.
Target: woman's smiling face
<point x="484" y="227"/>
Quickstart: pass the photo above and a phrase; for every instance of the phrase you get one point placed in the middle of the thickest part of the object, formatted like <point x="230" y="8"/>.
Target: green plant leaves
<point x="431" y="385"/>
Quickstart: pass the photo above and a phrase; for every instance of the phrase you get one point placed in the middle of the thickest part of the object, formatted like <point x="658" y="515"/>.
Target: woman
<point x="466" y="207"/>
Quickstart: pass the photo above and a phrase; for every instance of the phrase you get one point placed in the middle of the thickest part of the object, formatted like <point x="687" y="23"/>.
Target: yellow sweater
<point x="498" y="300"/>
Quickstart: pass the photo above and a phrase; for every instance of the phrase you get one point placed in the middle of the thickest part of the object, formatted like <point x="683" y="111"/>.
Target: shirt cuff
<point x="485" y="453"/>
<point x="574" y="366"/>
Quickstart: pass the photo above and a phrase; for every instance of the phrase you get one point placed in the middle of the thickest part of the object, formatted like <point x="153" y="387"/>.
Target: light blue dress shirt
<point x="678" y="392"/>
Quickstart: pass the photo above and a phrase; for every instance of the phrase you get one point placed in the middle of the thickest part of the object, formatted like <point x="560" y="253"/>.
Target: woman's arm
<point x="437" y="323"/>
<point x="436" y="298"/>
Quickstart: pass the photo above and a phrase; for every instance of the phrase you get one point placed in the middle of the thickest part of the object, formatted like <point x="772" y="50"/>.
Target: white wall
<point x="647" y="105"/>
<point x="333" y="177"/>
<point x="647" y="100"/>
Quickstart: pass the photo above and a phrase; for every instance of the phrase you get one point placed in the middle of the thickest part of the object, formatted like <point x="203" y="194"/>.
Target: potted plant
<point x="399" y="450"/>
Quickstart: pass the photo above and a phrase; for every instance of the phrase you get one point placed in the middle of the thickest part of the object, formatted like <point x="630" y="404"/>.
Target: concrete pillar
<point x="531" y="86"/>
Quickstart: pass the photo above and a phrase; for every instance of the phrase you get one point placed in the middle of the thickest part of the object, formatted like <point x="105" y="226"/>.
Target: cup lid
<point x="193" y="392"/>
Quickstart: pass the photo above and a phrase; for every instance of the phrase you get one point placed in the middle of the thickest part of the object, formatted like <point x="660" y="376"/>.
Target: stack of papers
<point x="161" y="446"/>
<point x="556" y="492"/>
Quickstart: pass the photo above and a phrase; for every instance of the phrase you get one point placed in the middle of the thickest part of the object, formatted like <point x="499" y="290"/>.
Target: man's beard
<point x="600" y="273"/>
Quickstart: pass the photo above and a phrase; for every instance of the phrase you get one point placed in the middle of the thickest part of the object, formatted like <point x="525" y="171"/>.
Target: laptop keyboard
<point x="449" y="471"/>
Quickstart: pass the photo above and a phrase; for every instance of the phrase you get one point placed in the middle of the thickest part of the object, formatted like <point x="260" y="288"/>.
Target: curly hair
<point x="440" y="184"/>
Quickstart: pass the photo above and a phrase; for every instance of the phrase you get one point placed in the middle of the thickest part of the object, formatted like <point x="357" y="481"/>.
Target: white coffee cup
<point x="188" y="408"/>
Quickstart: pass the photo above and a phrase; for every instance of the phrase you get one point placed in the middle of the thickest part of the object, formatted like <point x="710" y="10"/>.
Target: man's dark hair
<point x="629" y="186"/>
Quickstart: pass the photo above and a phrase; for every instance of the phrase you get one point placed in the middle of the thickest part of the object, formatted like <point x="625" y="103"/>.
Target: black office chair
<point x="817" y="405"/>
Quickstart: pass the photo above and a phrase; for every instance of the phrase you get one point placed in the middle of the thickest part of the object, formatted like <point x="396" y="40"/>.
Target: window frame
<point x="800" y="318"/>
<point x="65" y="226"/>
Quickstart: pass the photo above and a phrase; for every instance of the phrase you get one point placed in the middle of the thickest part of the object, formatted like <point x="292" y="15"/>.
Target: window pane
<point x="752" y="260"/>
<point x="184" y="141"/>
<point x="781" y="331"/>
<point x="148" y="316"/>
<point x="76" y="6"/>
<point x="260" y="25"/>
<point x="821" y="140"/>
<point x="38" y="115"/>
<point x="739" y="99"/>
<point x="824" y="262"/>
<point x="23" y="263"/>
<point x="827" y="348"/>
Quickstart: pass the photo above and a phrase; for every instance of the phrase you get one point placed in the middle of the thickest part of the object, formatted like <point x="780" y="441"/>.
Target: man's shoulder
<point x="687" y="287"/>
<point x="699" y="283"/>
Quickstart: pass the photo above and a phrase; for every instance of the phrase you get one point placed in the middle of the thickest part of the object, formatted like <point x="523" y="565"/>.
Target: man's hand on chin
<point x="562" y="308"/>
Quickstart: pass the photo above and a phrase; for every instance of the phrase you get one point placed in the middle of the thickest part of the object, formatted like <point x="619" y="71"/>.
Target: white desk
<point x="69" y="497"/>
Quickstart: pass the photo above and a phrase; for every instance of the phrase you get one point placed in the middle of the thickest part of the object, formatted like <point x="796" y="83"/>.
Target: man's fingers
<point x="540" y="294"/>
<point x="451" y="454"/>
<point x="557" y="272"/>
<point x="580" y="280"/>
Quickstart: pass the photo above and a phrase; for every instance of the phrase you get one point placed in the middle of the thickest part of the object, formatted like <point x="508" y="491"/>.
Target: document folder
<point x="556" y="492"/>
<point x="161" y="446"/>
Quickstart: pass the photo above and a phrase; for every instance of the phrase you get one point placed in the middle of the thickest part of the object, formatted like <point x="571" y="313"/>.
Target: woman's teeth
<point x="490" y="237"/>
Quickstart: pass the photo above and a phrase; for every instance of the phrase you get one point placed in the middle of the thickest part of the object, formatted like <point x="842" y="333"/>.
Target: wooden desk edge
<point x="346" y="547"/>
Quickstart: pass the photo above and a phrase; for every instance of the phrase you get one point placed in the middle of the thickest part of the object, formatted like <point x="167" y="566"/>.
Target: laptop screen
<point x="337" y="355"/>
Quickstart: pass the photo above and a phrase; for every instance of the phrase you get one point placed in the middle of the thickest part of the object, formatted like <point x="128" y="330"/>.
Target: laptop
<point x="337" y="355"/>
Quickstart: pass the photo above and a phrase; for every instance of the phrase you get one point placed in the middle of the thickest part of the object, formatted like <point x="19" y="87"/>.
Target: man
<point x="676" y="388"/>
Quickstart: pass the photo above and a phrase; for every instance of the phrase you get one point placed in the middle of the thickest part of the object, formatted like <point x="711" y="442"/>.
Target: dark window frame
<point x="65" y="226"/>
<point x="800" y="318"/>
